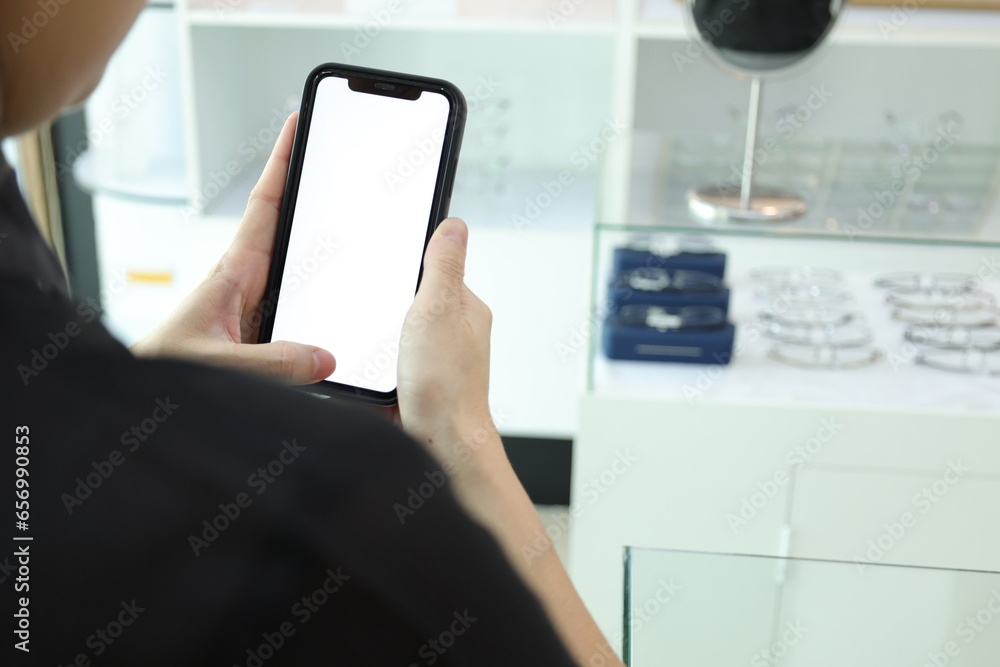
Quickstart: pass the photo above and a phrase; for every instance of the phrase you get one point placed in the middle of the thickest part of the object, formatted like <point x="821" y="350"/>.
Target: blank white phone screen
<point x="357" y="233"/>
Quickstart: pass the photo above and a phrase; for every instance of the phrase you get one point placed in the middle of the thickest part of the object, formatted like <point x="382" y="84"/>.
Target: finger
<point x="293" y="363"/>
<point x="444" y="260"/>
<point x="260" y="221"/>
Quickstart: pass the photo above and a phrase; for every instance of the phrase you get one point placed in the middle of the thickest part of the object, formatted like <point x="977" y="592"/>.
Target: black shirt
<point x="185" y="515"/>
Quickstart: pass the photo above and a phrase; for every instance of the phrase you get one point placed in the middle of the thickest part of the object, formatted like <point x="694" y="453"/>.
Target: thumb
<point x="282" y="360"/>
<point x="444" y="260"/>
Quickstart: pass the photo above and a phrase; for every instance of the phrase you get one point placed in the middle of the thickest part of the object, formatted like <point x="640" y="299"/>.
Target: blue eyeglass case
<point x="712" y="263"/>
<point x="691" y="335"/>
<point x="667" y="289"/>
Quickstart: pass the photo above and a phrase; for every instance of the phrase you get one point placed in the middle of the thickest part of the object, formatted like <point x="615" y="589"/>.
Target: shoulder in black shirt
<point x="184" y="515"/>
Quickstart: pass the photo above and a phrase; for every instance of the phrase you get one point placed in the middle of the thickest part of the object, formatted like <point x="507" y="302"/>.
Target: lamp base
<point x="721" y="203"/>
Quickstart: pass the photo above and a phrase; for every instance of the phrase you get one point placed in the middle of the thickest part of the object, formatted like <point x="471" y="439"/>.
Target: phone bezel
<point x="366" y="78"/>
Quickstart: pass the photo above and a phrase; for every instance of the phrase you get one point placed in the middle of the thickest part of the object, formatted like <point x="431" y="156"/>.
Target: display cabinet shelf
<point x="856" y="191"/>
<point x="445" y="15"/>
<point x="894" y="383"/>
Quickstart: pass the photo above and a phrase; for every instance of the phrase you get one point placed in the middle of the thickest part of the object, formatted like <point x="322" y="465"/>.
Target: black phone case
<point x="365" y="78"/>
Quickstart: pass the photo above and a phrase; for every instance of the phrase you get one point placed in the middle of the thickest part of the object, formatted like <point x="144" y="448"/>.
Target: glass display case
<point x="887" y="353"/>
<point x="699" y="608"/>
<point x="922" y="185"/>
<point x="714" y="441"/>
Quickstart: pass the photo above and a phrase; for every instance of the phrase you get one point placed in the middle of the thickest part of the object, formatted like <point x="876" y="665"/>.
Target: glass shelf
<point x="697" y="608"/>
<point x="856" y="191"/>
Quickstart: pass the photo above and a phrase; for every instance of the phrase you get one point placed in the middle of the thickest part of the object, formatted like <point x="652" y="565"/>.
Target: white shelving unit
<point x="557" y="74"/>
<point x="698" y="442"/>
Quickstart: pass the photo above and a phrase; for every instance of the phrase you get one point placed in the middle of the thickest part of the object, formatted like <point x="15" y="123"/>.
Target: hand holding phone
<point x="444" y="358"/>
<point x="218" y="324"/>
<point x="369" y="179"/>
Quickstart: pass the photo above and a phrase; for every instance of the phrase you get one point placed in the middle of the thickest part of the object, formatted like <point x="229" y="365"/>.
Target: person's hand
<point x="218" y="322"/>
<point x="444" y="370"/>
<point x="444" y="354"/>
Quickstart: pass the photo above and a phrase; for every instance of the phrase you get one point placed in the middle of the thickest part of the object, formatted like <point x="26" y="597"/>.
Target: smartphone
<point x="370" y="178"/>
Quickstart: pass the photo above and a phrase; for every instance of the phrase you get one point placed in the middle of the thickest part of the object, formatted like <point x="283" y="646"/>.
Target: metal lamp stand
<point x="747" y="202"/>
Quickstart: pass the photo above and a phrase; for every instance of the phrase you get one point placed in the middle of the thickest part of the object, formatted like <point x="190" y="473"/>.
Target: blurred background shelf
<point x="594" y="90"/>
<point x="447" y="15"/>
<point x="872" y="191"/>
<point x="325" y="21"/>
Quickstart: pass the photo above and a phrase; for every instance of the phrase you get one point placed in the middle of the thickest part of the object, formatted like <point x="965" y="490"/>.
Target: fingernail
<point x="317" y="362"/>
<point x="454" y="231"/>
